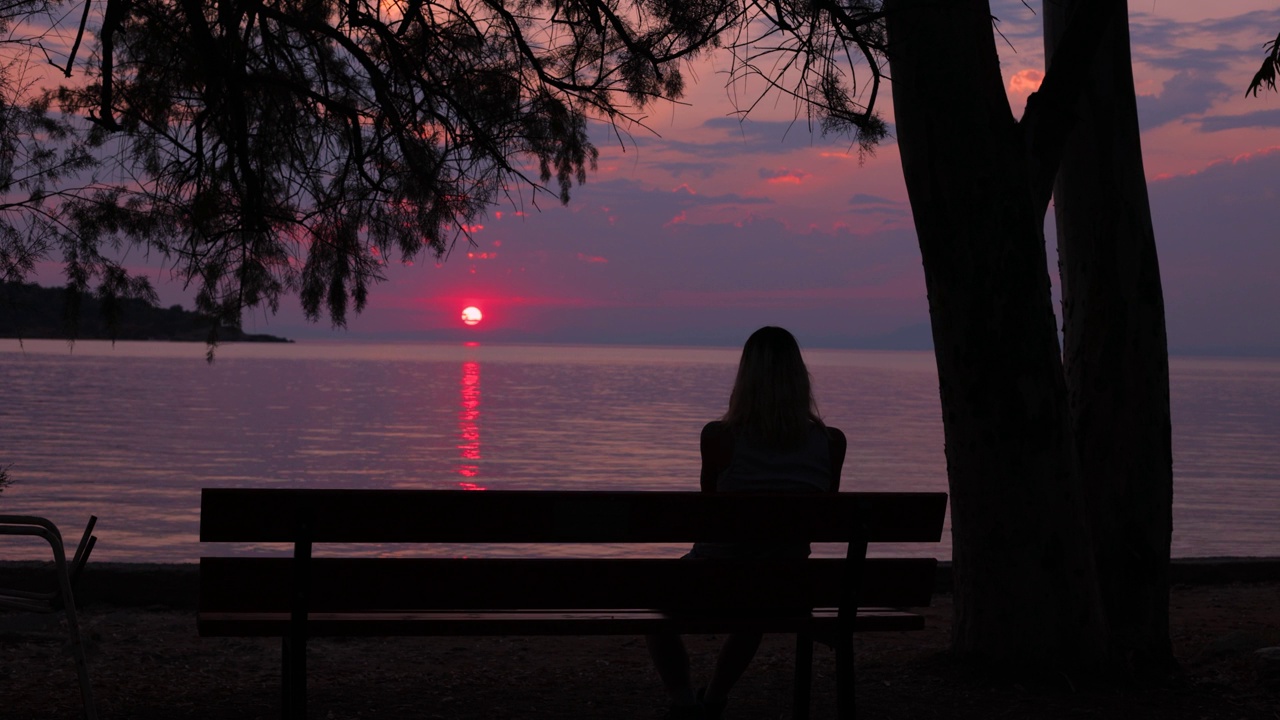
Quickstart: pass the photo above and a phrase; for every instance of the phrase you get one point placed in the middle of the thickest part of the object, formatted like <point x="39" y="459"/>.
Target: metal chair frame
<point x="61" y="597"/>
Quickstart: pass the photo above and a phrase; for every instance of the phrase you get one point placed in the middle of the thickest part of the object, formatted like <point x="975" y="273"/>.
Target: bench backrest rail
<point x="263" y="515"/>
<point x="308" y="517"/>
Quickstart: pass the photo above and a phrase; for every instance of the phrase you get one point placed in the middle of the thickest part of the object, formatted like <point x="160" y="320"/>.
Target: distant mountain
<point x="32" y="312"/>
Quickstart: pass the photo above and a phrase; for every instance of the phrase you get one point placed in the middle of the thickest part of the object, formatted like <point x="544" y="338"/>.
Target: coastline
<point x="176" y="585"/>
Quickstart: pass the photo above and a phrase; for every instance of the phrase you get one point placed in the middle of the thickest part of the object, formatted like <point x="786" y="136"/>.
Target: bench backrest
<point x="334" y="584"/>
<point x="538" y="516"/>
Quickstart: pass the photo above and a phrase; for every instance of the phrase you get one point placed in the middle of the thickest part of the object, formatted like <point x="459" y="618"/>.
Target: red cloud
<point x="1025" y="82"/>
<point x="784" y="177"/>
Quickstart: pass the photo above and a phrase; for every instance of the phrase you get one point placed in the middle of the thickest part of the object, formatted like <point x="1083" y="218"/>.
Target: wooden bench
<point x="303" y="596"/>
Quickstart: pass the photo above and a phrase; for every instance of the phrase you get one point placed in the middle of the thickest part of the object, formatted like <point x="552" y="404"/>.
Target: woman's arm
<point x="716" y="444"/>
<point x="836" y="447"/>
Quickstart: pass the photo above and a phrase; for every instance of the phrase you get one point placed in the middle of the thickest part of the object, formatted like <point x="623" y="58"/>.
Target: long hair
<point x="772" y="399"/>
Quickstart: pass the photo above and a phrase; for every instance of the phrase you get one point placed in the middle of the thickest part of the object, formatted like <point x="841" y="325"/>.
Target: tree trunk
<point x="1116" y="354"/>
<point x="1025" y="589"/>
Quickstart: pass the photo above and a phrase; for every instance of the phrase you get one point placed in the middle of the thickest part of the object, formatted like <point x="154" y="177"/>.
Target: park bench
<point x="304" y="596"/>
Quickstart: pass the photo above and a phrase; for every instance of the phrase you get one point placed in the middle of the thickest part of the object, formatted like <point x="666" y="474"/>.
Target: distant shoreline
<point x="176" y="585"/>
<point x="32" y="312"/>
<point x="236" y="336"/>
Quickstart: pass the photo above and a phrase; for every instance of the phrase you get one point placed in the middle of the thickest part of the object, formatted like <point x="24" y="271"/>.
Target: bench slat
<point x="518" y="516"/>
<point x="385" y="584"/>
<point x="215" y="624"/>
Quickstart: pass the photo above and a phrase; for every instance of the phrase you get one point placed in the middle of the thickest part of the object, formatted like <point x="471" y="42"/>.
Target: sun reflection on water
<point x="469" y="427"/>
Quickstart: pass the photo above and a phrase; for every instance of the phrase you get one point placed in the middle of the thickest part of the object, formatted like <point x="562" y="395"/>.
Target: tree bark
<point x="1116" y="354"/>
<point x="1025" y="589"/>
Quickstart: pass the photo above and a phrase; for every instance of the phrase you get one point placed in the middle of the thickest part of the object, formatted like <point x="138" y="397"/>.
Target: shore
<point x="147" y="663"/>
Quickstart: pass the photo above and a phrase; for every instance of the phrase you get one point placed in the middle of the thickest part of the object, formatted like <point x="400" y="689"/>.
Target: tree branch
<point x="75" y="46"/>
<point x="112" y="19"/>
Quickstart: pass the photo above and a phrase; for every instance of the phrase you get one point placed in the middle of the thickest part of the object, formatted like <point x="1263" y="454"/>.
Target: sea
<point x="131" y="431"/>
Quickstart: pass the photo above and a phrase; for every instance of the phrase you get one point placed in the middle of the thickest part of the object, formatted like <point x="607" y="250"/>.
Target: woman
<point x="770" y="440"/>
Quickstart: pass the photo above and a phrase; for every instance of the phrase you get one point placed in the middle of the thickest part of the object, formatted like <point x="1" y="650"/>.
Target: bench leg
<point x="293" y="674"/>
<point x="81" y="660"/>
<point x="845" y="675"/>
<point x="804" y="677"/>
<point x="73" y="628"/>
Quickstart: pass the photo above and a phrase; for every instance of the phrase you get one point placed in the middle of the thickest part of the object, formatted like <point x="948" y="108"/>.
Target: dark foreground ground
<point x="148" y="663"/>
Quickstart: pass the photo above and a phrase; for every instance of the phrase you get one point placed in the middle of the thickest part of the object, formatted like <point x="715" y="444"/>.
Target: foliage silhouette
<point x="1265" y="78"/>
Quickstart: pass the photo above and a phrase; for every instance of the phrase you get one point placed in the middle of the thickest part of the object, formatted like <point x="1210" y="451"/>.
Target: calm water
<point x="132" y="432"/>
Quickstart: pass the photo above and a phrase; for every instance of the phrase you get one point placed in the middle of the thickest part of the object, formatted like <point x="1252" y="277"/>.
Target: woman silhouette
<point x="771" y="439"/>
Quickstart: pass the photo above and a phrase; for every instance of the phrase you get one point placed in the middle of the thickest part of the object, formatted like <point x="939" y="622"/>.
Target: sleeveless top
<point x="756" y="469"/>
<point x="753" y="468"/>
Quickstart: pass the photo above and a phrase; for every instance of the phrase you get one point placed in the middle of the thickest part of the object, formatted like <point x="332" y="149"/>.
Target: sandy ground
<point x="148" y="663"/>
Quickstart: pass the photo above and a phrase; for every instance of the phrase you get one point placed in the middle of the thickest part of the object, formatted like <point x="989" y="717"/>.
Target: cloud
<point x="1216" y="41"/>
<point x="732" y="138"/>
<point x="865" y="204"/>
<point x="799" y="131"/>
<point x="1025" y="82"/>
<point x="867" y="199"/>
<point x="1206" y="62"/>
<point x="1210" y="45"/>
<point x="1189" y="92"/>
<point x="888" y="213"/>
<point x="615" y="194"/>
<point x="783" y="176"/>
<point x="700" y="169"/>
<point x="1259" y="119"/>
<point x="1259" y="24"/>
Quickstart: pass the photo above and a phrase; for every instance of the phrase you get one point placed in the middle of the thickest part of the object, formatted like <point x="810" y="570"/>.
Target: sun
<point x="472" y="315"/>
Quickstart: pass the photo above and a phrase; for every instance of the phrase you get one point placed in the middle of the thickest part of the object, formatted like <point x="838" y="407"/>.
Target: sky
<point x="707" y="226"/>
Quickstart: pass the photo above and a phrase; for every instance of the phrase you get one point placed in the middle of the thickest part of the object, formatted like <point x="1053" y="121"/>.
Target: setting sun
<point x="472" y="315"/>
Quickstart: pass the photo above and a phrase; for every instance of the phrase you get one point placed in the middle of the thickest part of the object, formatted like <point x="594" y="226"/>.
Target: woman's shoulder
<point x="717" y="446"/>
<point x="716" y="428"/>
<point x="718" y="434"/>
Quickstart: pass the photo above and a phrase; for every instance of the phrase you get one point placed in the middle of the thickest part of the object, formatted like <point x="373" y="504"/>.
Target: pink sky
<point x="713" y="227"/>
